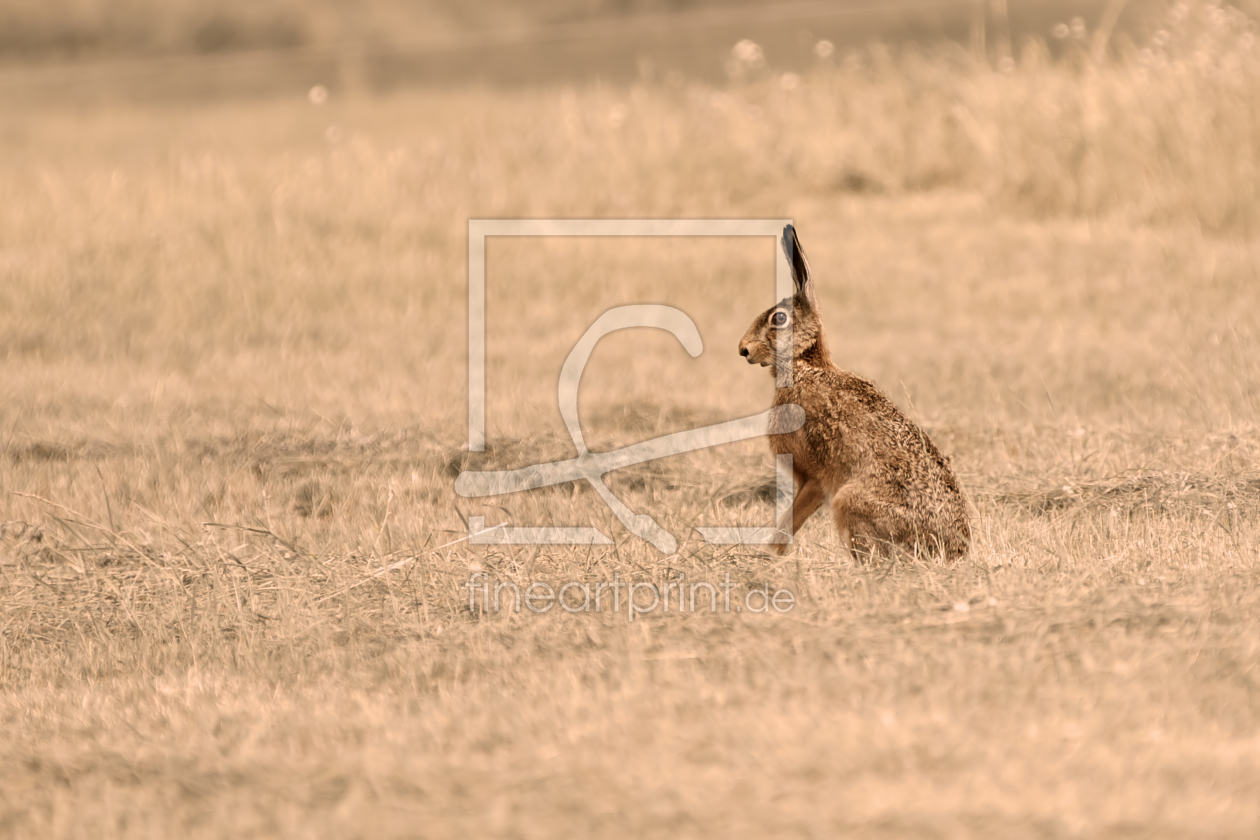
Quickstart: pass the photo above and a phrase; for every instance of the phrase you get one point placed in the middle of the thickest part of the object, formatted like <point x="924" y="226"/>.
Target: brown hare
<point x="887" y="483"/>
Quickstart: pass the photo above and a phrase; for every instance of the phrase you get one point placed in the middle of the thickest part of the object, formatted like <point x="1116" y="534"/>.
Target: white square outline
<point x="480" y="229"/>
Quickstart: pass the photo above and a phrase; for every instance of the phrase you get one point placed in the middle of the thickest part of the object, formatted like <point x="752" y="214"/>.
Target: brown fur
<point x="887" y="483"/>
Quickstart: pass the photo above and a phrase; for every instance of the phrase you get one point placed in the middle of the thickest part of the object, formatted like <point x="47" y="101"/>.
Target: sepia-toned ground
<point x="233" y="391"/>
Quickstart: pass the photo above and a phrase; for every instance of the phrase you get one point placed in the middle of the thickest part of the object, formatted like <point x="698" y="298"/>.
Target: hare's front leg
<point x="809" y="495"/>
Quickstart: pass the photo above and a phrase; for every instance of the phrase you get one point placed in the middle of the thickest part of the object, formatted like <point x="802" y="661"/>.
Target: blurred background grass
<point x="260" y="48"/>
<point x="79" y="29"/>
<point x="1143" y="108"/>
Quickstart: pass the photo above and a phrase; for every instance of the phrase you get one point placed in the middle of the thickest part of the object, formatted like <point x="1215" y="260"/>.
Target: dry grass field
<point x="233" y="347"/>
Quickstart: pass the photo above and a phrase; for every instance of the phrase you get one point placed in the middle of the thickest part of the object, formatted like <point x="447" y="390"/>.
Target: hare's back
<point x="890" y="437"/>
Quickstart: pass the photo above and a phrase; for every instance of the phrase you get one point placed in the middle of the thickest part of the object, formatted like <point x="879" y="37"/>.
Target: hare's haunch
<point x="887" y="483"/>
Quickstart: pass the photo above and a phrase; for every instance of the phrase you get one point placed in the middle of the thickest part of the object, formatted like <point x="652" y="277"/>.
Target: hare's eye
<point x="779" y="318"/>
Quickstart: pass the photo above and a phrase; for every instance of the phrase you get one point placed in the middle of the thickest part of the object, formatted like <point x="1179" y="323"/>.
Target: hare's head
<point x="798" y="313"/>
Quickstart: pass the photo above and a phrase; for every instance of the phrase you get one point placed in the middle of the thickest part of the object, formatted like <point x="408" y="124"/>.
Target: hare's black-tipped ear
<point x="800" y="266"/>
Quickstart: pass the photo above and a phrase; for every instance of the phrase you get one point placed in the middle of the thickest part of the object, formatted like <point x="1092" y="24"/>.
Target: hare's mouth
<point x="753" y="359"/>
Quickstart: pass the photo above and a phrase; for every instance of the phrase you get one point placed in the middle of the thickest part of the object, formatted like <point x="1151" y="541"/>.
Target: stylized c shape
<point x="622" y="317"/>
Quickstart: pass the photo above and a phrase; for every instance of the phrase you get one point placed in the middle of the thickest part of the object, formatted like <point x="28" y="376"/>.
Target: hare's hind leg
<point x="844" y="528"/>
<point x="867" y="544"/>
<point x="809" y="495"/>
<point x="865" y="523"/>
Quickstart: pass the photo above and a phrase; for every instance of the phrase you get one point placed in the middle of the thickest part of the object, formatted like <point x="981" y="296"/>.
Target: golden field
<point x="233" y="339"/>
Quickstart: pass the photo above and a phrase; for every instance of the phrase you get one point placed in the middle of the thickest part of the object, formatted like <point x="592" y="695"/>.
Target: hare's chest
<point x="804" y="457"/>
<point x="822" y="441"/>
<point x="807" y="445"/>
